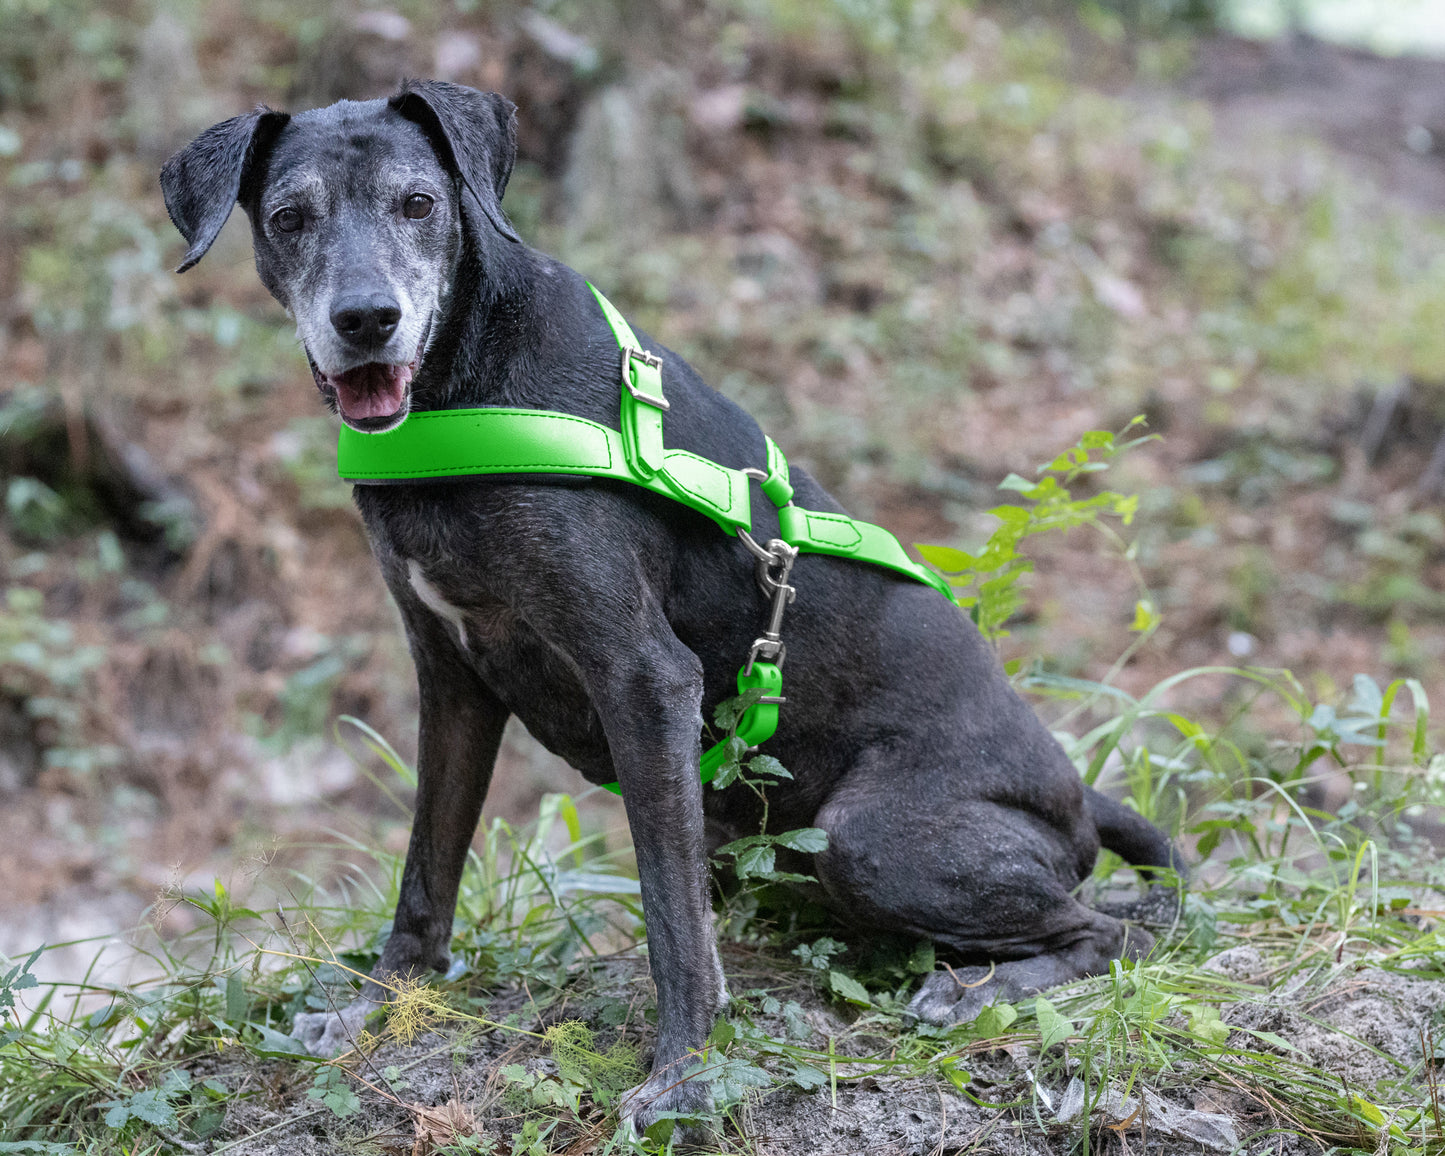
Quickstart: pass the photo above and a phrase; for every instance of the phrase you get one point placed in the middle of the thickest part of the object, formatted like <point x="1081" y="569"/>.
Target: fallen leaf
<point x="441" y="1126"/>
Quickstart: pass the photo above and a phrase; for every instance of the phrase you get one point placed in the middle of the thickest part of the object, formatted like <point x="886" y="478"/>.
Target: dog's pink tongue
<point x="373" y="390"/>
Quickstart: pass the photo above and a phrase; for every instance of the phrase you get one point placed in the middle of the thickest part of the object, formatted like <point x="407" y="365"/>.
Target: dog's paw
<point x="326" y="1033"/>
<point x="955" y="997"/>
<point x="686" y="1099"/>
<point x="1158" y="907"/>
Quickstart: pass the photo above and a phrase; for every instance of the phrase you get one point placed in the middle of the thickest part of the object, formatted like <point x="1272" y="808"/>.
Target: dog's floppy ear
<point x="203" y="181"/>
<point x="475" y="134"/>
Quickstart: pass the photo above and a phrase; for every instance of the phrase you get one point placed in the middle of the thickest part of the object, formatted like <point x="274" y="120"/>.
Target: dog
<point x="606" y="617"/>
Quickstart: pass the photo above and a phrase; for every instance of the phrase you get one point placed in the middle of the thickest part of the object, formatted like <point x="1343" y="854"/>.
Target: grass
<point x="156" y="1066"/>
<point x="963" y="224"/>
<point x="543" y="1007"/>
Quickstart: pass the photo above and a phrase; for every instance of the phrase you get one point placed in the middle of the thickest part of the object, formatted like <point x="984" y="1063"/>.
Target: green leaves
<point x="728" y="712"/>
<point x="923" y="959"/>
<point x="1146" y="617"/>
<point x="946" y="559"/>
<point x="36" y="511"/>
<point x="810" y="840"/>
<point x="18" y="978"/>
<point x="768" y="767"/>
<point x="236" y="1002"/>
<point x="849" y="989"/>
<point x="154" y="1106"/>
<point x="948" y="1065"/>
<point x="583" y="1065"/>
<point x="732" y="1078"/>
<point x="540" y="1090"/>
<point x="333" y="1089"/>
<point x="149" y="1106"/>
<point x="755" y="856"/>
<point x="1204" y="1022"/>
<point x="1053" y="1028"/>
<point x="273" y="1044"/>
<point x="756" y="772"/>
<point x="807" y="1077"/>
<point x="994" y="1019"/>
<point x="819" y="954"/>
<point x="985" y="584"/>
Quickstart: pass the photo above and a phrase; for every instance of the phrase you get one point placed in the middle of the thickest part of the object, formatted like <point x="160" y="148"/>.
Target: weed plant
<point x="963" y="224"/>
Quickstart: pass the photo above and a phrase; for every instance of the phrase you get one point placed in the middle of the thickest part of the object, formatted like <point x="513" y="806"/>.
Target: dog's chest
<point x="478" y="628"/>
<point x="536" y="683"/>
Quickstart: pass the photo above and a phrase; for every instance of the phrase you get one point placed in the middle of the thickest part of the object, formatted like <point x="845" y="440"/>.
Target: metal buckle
<point x="770" y="647"/>
<point x="649" y="359"/>
<point x="755" y="550"/>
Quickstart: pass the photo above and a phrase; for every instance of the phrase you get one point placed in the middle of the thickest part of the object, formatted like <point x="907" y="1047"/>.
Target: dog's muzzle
<point x="373" y="396"/>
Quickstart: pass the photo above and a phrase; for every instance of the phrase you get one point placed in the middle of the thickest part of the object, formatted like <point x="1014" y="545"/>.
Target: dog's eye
<point x="287" y="220"/>
<point x="417" y="207"/>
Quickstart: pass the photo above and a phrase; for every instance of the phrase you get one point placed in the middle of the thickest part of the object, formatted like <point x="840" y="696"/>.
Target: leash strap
<point x="458" y="443"/>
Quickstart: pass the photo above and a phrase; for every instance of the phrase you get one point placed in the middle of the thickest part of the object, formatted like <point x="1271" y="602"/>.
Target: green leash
<point x="469" y="442"/>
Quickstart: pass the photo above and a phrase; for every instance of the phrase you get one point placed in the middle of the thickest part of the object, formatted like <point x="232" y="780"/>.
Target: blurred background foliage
<point x="926" y="242"/>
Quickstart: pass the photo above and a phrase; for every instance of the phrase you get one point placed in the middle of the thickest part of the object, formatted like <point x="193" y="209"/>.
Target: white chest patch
<point x="433" y="601"/>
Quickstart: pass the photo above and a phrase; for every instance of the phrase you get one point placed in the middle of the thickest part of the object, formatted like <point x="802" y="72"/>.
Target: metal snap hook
<point x="770" y="647"/>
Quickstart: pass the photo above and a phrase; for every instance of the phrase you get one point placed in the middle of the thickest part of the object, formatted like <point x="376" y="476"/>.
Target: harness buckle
<point x="770" y="647"/>
<point x="652" y="361"/>
<point x="773" y="650"/>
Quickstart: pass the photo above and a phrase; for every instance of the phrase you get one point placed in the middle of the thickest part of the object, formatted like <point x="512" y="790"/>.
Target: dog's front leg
<point x="460" y="731"/>
<point x="649" y="699"/>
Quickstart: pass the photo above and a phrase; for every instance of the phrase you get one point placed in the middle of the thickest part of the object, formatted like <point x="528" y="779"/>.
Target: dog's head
<point x="358" y="214"/>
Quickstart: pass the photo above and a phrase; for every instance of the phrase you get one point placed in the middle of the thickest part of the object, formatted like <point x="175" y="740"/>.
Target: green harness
<point x="467" y="442"/>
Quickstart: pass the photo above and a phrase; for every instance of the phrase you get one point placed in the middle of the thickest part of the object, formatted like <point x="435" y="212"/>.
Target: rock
<point x="1153" y="1112"/>
<point x="1242" y="963"/>
<point x="165" y="98"/>
<point x="630" y="149"/>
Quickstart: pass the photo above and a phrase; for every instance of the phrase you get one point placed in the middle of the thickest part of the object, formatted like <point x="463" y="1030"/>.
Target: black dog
<point x="606" y="617"/>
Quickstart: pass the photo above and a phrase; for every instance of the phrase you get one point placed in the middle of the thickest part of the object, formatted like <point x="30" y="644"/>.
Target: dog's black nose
<point x="365" y="320"/>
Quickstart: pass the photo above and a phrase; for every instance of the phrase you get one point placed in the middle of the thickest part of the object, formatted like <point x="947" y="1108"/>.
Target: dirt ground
<point x="1360" y="1025"/>
<point x="1386" y="115"/>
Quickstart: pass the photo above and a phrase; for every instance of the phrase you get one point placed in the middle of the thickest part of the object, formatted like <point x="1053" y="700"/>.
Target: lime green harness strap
<point x="467" y="442"/>
<point x="643" y="402"/>
<point x="458" y="443"/>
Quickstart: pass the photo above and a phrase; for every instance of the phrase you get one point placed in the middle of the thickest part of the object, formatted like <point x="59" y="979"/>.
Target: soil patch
<point x="1360" y="1025"/>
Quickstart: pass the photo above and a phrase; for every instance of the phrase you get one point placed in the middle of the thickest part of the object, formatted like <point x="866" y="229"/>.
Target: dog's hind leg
<point x="1128" y="833"/>
<point x="461" y="729"/>
<point x="990" y="882"/>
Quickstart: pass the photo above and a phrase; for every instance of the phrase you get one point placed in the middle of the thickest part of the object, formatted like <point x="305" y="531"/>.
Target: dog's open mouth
<point x="373" y="396"/>
<point x="372" y="391"/>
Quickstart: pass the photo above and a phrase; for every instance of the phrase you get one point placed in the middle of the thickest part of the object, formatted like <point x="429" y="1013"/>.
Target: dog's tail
<point x="1128" y="834"/>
